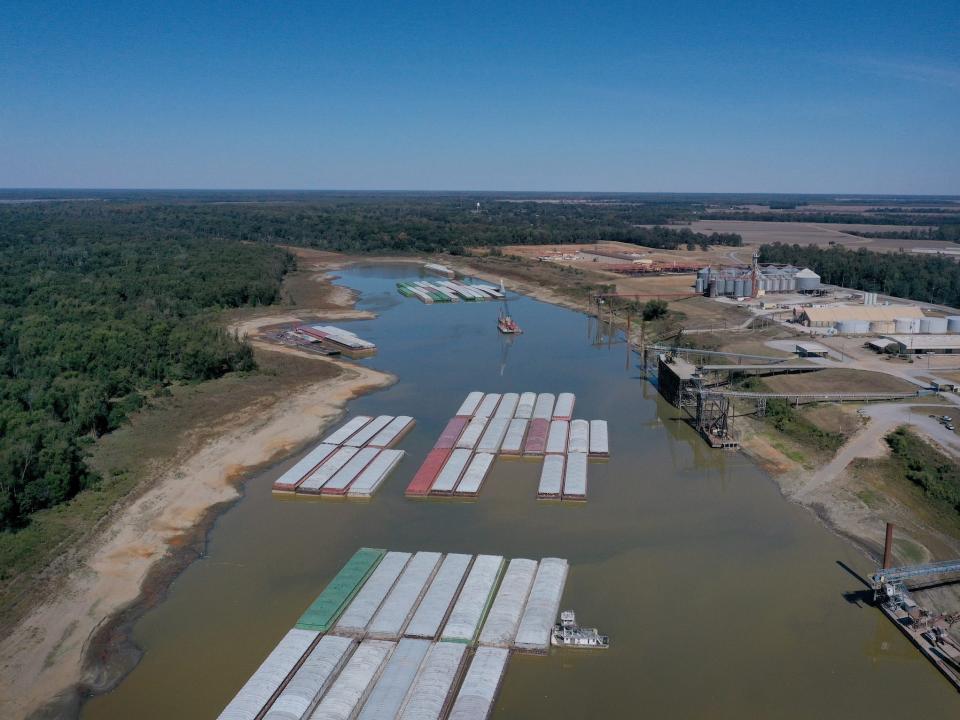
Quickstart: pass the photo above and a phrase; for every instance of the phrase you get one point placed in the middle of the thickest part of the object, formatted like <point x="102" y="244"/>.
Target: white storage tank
<point x="882" y="326"/>
<point x="925" y="325"/>
<point x="936" y="325"/>
<point x="698" y="287"/>
<point x="906" y="325"/>
<point x="807" y="280"/>
<point x="953" y="324"/>
<point x="748" y="288"/>
<point x="738" y="288"/>
<point x="853" y="326"/>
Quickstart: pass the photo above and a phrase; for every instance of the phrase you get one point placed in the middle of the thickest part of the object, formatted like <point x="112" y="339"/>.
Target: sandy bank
<point x="70" y="644"/>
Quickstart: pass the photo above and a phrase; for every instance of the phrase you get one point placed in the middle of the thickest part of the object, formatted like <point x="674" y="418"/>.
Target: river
<point x="722" y="599"/>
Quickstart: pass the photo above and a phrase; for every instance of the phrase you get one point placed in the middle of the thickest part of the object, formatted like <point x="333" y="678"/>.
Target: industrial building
<point x="920" y="344"/>
<point x="739" y="281"/>
<point x="870" y="319"/>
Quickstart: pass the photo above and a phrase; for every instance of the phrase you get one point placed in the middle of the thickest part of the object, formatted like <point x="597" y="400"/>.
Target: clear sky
<point x="859" y="97"/>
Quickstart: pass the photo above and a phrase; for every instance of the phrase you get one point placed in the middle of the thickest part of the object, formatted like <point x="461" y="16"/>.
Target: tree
<point x="654" y="309"/>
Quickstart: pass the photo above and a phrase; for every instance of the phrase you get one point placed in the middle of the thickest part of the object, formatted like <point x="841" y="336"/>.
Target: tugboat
<point x="567" y="633"/>
<point x="505" y="323"/>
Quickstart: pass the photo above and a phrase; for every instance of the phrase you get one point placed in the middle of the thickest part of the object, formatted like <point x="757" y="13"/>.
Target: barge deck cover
<point x="536" y="442"/>
<point x="312" y="679"/>
<point x="469" y="406"/>
<point x="481" y="684"/>
<point x="471" y="607"/>
<point x="325" y="610"/>
<point x="352" y="686"/>
<point x="392" y="617"/>
<point x="575" y="476"/>
<point x="525" y="405"/>
<point x="492" y="437"/>
<point x="487" y="405"/>
<point x="472" y="433"/>
<point x="257" y="691"/>
<point x="551" y="477"/>
<point x="451" y="433"/>
<point x="564" y="407"/>
<point x="365" y="434"/>
<point x="430" y="694"/>
<point x="598" y="438"/>
<point x="543" y="408"/>
<point x="507" y="406"/>
<point x="449" y="476"/>
<point x="557" y="437"/>
<point x="388" y="694"/>
<point x="513" y="441"/>
<point x="579" y="439"/>
<point x="436" y="603"/>
<point x="392" y="432"/>
<point x="543" y="604"/>
<point x="338" y="484"/>
<point x="350" y="427"/>
<point x="315" y="481"/>
<point x="428" y="471"/>
<point x="375" y="473"/>
<point x="500" y="629"/>
<point x="306" y="465"/>
<point x="357" y="616"/>
<point x="475" y="474"/>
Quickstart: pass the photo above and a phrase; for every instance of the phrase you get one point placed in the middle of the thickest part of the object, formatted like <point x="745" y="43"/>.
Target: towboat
<point x="567" y="633"/>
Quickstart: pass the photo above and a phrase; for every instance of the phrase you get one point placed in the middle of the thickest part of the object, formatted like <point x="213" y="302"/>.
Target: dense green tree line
<point x="903" y="217"/>
<point x="950" y="233"/>
<point x="927" y="278"/>
<point x="925" y="466"/>
<point x="94" y="317"/>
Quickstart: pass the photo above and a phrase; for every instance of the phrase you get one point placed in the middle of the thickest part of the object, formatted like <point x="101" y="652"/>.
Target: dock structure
<point x="551" y="477"/>
<point x="395" y="612"/>
<point x="343" y="340"/>
<point x="516" y="433"/>
<point x="432" y="688"/>
<point x="253" y="697"/>
<point x="438" y="600"/>
<point x="427" y="473"/>
<point x="487" y="406"/>
<point x="563" y="410"/>
<point x="329" y="605"/>
<point x="355" y="619"/>
<point x="311" y="461"/>
<point x="312" y="679"/>
<point x="599" y="444"/>
<point x="480" y="685"/>
<point x="474" y="475"/>
<point x="450" y="474"/>
<point x="388" y="694"/>
<point x="375" y="664"/>
<point x="351" y="688"/>
<point x="575" y="477"/>
<point x="500" y="629"/>
<point x="470" y="404"/>
<point x="471" y="607"/>
<point x="542" y="607"/>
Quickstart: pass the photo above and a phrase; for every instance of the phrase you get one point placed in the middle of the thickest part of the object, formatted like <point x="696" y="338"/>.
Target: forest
<point x="927" y="278"/>
<point x="96" y="317"/>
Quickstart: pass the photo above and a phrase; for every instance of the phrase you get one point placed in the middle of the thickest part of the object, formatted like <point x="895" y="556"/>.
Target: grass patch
<point x="871" y="498"/>
<point x="792" y="423"/>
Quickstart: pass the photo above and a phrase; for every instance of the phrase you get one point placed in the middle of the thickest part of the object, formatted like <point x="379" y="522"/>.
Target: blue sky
<point x="711" y="96"/>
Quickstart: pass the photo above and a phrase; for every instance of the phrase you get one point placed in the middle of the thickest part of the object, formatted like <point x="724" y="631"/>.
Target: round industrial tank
<point x="906" y="325"/>
<point x="738" y="288"/>
<point x="925" y="325"/>
<point x="791" y="283"/>
<point x="698" y="286"/>
<point x="781" y="284"/>
<point x="807" y="280"/>
<point x="953" y="324"/>
<point x="853" y="326"/>
<point x="748" y="289"/>
<point x="937" y="325"/>
<point x="713" y="288"/>
<point x="704" y="274"/>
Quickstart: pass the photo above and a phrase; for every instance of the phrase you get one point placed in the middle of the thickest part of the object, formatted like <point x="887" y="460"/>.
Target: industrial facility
<point x="756" y="281"/>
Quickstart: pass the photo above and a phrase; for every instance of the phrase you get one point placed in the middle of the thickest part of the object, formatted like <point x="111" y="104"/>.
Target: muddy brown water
<point x="722" y="599"/>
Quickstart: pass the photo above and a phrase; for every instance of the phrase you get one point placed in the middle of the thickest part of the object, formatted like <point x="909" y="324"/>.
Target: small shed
<point x="810" y="349"/>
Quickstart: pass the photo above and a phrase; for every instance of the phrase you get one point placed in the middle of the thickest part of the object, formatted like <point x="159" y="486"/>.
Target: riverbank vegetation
<point x="97" y="315"/>
<point x="926" y="278"/>
<point x="926" y="467"/>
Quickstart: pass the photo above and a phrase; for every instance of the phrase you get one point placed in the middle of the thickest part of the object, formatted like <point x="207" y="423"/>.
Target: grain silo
<point x="807" y="280"/>
<point x="953" y="324"/>
<point x="936" y="325"/>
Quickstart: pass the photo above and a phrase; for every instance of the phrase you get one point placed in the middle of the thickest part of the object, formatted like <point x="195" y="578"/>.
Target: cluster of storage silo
<point x="738" y="282"/>
<point x="853" y="327"/>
